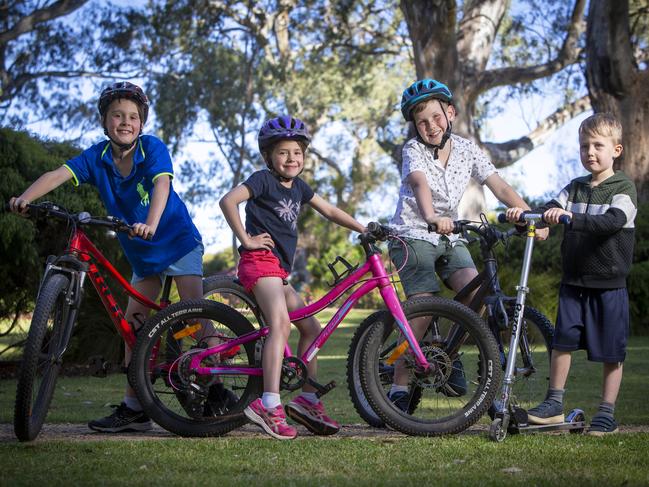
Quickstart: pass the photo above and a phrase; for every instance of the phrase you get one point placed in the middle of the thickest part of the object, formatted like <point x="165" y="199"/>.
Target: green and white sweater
<point x="597" y="247"/>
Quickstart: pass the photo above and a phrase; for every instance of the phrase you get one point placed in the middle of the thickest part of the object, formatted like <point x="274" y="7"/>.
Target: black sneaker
<point x="220" y="401"/>
<point x="401" y="399"/>
<point x="456" y="384"/>
<point x="122" y="419"/>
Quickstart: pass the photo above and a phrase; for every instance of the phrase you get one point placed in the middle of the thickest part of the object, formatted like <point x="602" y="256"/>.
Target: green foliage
<point x="26" y="243"/>
<point x="222" y="261"/>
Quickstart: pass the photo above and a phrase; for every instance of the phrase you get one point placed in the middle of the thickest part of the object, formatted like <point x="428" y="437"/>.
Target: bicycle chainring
<point x="294" y="374"/>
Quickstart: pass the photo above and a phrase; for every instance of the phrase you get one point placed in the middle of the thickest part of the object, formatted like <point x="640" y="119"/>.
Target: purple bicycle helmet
<point x="422" y="90"/>
<point x="282" y="128"/>
<point x="124" y="89"/>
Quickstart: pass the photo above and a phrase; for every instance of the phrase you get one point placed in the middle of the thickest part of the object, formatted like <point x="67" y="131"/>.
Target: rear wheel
<point x="177" y="397"/>
<point x="226" y="290"/>
<point x="42" y="358"/>
<point x="464" y="377"/>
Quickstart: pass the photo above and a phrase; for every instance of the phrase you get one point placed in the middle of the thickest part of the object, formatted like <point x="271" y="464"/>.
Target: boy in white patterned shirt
<point x="437" y="167"/>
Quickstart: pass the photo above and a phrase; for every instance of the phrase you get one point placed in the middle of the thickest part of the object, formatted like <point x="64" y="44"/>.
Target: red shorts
<point x="255" y="264"/>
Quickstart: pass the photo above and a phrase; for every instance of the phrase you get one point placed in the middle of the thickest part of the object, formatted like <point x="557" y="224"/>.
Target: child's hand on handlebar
<point x="541" y="233"/>
<point x="553" y="214"/>
<point x="143" y="231"/>
<point x="17" y="205"/>
<point x="513" y="214"/>
<point x="262" y="241"/>
<point x="442" y="225"/>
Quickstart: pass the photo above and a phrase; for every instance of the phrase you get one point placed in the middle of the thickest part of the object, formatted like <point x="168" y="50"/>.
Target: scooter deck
<point x="542" y="428"/>
<point x="575" y="422"/>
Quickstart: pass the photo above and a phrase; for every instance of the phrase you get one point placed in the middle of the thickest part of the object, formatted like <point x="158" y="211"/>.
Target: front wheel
<point x="42" y="358"/>
<point x="532" y="371"/>
<point x="177" y="397"/>
<point x="465" y="373"/>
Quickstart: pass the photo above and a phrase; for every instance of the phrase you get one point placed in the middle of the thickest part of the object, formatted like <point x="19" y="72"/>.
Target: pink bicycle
<point x="176" y="364"/>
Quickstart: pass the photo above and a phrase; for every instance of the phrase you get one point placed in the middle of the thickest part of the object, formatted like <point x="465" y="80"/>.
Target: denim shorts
<point x="191" y="264"/>
<point x="426" y="261"/>
<point x="595" y="320"/>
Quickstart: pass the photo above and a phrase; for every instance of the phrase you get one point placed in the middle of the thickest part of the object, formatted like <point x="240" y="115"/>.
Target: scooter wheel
<point x="578" y="417"/>
<point x="497" y="431"/>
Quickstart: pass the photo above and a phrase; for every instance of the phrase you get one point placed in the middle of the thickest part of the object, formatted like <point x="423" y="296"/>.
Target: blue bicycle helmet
<point x="282" y="128"/>
<point x="420" y="91"/>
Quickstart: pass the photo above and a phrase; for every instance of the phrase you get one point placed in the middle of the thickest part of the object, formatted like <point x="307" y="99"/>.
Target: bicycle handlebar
<point x="525" y="217"/>
<point x="82" y="218"/>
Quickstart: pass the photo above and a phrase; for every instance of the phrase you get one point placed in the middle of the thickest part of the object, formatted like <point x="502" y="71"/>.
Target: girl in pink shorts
<point x="274" y="197"/>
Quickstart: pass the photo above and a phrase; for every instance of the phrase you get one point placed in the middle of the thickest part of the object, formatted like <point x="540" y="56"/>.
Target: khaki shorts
<point x="427" y="261"/>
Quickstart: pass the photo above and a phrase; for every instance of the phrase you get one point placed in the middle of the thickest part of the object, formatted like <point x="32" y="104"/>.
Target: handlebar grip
<point x="563" y="219"/>
<point x="457" y="227"/>
<point x="373" y="227"/>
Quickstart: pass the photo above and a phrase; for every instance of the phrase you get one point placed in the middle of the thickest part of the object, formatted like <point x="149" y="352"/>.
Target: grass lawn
<point x="467" y="459"/>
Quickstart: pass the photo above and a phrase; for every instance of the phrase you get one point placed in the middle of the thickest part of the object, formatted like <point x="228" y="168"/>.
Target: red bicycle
<point x="57" y="306"/>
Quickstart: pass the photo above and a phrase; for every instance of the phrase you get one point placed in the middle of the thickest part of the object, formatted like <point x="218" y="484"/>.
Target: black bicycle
<point x="532" y="369"/>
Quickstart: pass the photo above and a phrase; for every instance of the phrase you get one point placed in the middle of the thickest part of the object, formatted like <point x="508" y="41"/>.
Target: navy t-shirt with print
<point x="274" y="209"/>
<point x="129" y="197"/>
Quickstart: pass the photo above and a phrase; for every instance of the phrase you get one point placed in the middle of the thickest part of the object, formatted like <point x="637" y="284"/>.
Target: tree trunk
<point x="616" y="85"/>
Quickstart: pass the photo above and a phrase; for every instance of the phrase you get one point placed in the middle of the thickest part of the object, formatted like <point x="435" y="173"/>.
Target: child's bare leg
<point x="603" y="421"/>
<point x="309" y="329"/>
<point x="612" y="381"/>
<point x="559" y="369"/>
<point x="456" y="281"/>
<point x="269" y="293"/>
<point x="136" y="312"/>
<point x="550" y="411"/>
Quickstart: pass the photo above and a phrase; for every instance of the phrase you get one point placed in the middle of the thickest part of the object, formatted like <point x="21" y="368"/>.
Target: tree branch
<point x="506" y="153"/>
<point x="567" y="55"/>
<point x="27" y="23"/>
<point x="15" y="84"/>
<point x="329" y="162"/>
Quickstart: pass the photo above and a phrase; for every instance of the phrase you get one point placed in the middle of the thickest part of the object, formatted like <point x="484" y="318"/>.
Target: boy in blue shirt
<point x="597" y="251"/>
<point x="133" y="174"/>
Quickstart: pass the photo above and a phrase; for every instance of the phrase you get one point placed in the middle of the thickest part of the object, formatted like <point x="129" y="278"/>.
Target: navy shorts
<point x="595" y="320"/>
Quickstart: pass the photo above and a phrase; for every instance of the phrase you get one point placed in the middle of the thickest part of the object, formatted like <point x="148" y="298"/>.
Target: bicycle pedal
<point x="322" y="389"/>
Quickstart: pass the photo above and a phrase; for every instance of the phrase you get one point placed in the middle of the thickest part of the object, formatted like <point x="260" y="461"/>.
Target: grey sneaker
<point x="401" y="399"/>
<point x="602" y="425"/>
<point x="548" y="412"/>
<point x="122" y="419"/>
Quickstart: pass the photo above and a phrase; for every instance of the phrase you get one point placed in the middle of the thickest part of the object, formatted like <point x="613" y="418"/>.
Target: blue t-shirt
<point x="274" y="208"/>
<point x="129" y="198"/>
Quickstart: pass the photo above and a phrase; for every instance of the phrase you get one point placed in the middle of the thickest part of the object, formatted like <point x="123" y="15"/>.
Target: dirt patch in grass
<point x="80" y="432"/>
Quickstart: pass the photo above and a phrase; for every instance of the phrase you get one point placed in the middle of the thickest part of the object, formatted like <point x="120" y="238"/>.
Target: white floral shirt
<point x="447" y="185"/>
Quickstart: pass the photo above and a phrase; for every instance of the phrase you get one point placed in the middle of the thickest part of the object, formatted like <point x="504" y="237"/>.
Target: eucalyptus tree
<point x="481" y="46"/>
<point x="618" y="79"/>
<point x="224" y="66"/>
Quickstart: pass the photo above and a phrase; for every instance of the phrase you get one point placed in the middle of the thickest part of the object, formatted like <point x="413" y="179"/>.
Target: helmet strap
<point x="278" y="176"/>
<point x="123" y="148"/>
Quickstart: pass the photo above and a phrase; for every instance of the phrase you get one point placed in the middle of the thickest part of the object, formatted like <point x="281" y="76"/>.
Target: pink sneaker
<point x="273" y="421"/>
<point x="312" y="416"/>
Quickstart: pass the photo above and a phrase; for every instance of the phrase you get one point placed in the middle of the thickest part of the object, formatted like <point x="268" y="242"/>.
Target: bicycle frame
<point x="81" y="248"/>
<point x="380" y="279"/>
